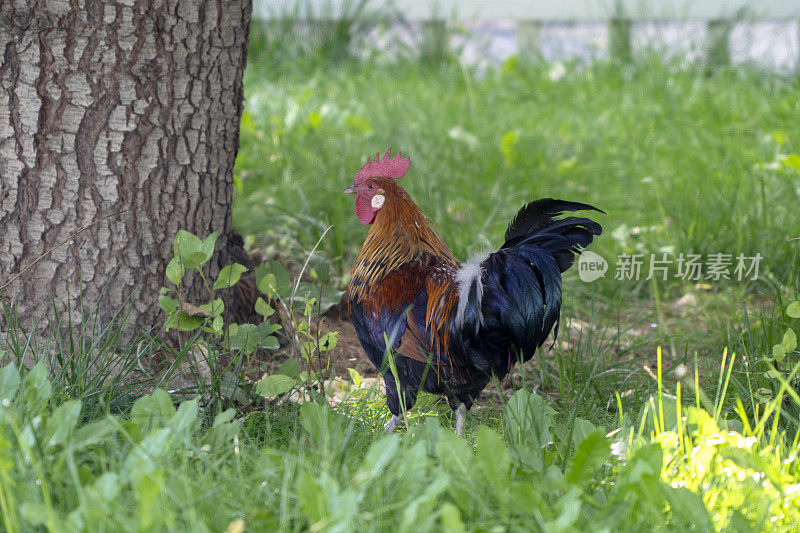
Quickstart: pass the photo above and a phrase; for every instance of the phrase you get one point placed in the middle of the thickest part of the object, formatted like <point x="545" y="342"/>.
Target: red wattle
<point x="364" y="210"/>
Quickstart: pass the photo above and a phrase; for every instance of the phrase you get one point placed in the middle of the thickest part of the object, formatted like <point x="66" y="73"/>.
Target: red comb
<point x="394" y="167"/>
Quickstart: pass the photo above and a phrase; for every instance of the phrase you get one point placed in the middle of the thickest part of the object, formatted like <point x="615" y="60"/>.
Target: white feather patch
<point x="470" y="273"/>
<point x="377" y="201"/>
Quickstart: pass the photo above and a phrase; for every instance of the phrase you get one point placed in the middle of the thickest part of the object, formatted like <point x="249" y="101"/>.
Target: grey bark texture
<point x="111" y="106"/>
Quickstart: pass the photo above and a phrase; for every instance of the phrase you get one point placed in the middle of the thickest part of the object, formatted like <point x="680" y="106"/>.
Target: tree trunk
<point x="106" y="107"/>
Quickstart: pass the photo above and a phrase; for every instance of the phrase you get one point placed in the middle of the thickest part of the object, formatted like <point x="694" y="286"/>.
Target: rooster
<point x="451" y="325"/>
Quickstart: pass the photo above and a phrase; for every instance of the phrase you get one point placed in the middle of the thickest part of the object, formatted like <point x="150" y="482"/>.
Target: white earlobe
<point x="377" y="201"/>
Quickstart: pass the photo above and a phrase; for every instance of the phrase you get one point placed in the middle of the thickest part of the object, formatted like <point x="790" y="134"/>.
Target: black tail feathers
<point x="515" y="302"/>
<point x="536" y="223"/>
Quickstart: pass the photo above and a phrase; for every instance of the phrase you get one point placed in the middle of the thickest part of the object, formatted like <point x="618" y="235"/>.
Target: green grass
<point x="294" y="469"/>
<point x="686" y="158"/>
<point x="682" y="161"/>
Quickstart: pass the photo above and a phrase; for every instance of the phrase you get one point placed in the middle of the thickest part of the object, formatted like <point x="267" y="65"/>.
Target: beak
<point x="350" y="190"/>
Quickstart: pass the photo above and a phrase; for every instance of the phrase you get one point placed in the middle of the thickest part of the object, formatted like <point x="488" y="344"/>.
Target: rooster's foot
<point x="461" y="412"/>
<point x="392" y="424"/>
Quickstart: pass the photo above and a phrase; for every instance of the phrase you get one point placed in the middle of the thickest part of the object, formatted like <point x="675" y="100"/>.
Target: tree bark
<point x="127" y="106"/>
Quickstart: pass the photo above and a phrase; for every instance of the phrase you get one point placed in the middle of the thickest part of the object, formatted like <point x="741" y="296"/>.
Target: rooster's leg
<point x="460" y="414"/>
<point x="392" y="424"/>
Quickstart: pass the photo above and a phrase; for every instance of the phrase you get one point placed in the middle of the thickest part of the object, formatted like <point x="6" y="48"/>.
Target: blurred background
<point x="487" y="32"/>
<point x="680" y="120"/>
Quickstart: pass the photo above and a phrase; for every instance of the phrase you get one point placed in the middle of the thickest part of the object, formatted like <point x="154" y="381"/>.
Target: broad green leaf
<point x="61" y="423"/>
<point x="9" y="382"/>
<point x="224" y="418"/>
<point x="527" y="415"/>
<point x="186" y="241"/>
<point x="590" y="454"/>
<point x="315" y="419"/>
<point x="225" y="428"/>
<point x="311" y="497"/>
<point x="779" y="352"/>
<point x="229" y="276"/>
<point x="230" y="387"/>
<point x="290" y="367"/>
<point x="380" y="455"/>
<point x="282" y="276"/>
<point x="273" y="279"/>
<point x="640" y="478"/>
<point x="185" y="421"/>
<point x="208" y="245"/>
<point x="325" y="297"/>
<point x="152" y="410"/>
<point x="145" y="456"/>
<point x="147" y="487"/>
<point x="189" y="323"/>
<point x="36" y="389"/>
<point x="268" y="285"/>
<point x="172" y="320"/>
<point x="105" y="488"/>
<point x="168" y="304"/>
<point x="93" y="433"/>
<point x="249" y="337"/>
<point x="689" y="513"/>
<point x="576" y="432"/>
<point x="190" y="250"/>
<point x="793" y="310"/>
<point x="216" y="325"/>
<point x="214" y="308"/>
<point x="275" y="384"/>
<point x="789" y="340"/>
<point x="175" y="271"/>
<point x="34" y="513"/>
<point x="263" y="309"/>
<point x="580" y="430"/>
<point x="525" y="495"/>
<point x="528" y="421"/>
<point x="492" y="458"/>
<point x="418" y="513"/>
<point x="328" y="341"/>
<point x="646" y="462"/>
<point x="355" y="377"/>
<point x="568" y="508"/>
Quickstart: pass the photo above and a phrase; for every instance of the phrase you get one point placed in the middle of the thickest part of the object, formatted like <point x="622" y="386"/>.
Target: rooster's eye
<point x="371" y="186"/>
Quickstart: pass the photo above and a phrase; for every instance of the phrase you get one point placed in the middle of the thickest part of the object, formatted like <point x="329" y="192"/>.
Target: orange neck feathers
<point x="400" y="234"/>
